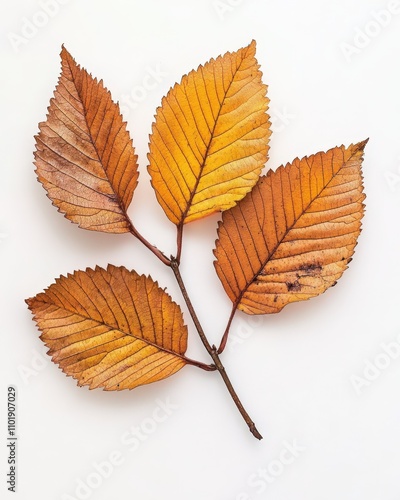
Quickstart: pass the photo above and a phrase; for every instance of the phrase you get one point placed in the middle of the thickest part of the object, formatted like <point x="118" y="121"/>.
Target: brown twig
<point x="173" y="262"/>
<point x="212" y="350"/>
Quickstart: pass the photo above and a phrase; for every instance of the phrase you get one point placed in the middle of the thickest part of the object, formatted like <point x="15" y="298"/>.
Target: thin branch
<point x="212" y="350"/>
<point x="178" y="276"/>
<point x="232" y="392"/>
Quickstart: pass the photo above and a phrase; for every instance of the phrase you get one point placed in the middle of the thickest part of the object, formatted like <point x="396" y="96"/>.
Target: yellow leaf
<point x="111" y="328"/>
<point x="210" y="138"/>
<point x="85" y="158"/>
<point x="292" y="237"/>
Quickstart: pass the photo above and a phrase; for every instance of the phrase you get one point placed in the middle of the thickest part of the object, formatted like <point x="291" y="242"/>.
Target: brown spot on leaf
<point x="293" y="287"/>
<point x="311" y="269"/>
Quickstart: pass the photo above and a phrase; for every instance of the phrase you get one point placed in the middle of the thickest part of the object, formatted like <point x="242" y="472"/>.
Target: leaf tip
<point x="29" y="302"/>
<point x="249" y="50"/>
<point x="65" y="54"/>
<point x="361" y="145"/>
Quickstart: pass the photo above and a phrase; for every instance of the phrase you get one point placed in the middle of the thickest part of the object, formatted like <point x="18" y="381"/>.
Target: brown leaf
<point x="111" y="328"/>
<point x="85" y="158"/>
<point x="210" y="138"/>
<point x="292" y="237"/>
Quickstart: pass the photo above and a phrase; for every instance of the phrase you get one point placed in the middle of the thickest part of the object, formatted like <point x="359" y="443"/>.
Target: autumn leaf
<point x="111" y="328"/>
<point x="292" y="237"/>
<point x="85" y="158"/>
<point x="210" y="138"/>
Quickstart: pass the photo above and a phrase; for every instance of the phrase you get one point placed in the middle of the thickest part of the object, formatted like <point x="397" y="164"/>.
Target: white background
<point x="333" y="72"/>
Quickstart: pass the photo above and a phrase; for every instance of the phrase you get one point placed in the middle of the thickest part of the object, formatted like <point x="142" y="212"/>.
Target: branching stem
<point x="173" y="262"/>
<point x="212" y="350"/>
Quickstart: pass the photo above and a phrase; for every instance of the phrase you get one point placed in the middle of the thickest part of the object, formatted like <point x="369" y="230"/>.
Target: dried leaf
<point x="85" y="158"/>
<point x="210" y="138"/>
<point x="111" y="328"/>
<point x="292" y="237"/>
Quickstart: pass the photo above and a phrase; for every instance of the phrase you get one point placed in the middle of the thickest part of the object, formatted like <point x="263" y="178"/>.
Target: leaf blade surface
<point x="111" y="328"/>
<point x="293" y="235"/>
<point x="209" y="140"/>
<point x="84" y="155"/>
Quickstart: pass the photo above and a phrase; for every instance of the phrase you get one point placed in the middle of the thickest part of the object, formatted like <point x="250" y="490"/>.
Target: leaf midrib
<point x="208" y="147"/>
<point x="119" y="201"/>
<point x="149" y="342"/>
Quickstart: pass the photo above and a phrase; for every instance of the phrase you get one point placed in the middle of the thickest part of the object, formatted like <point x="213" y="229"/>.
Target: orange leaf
<point x="209" y="141"/>
<point x="85" y="158"/>
<point x="292" y="237"/>
<point x="111" y="328"/>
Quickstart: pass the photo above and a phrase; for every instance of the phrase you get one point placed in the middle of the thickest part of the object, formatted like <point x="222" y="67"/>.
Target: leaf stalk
<point x="226" y="333"/>
<point x="164" y="259"/>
